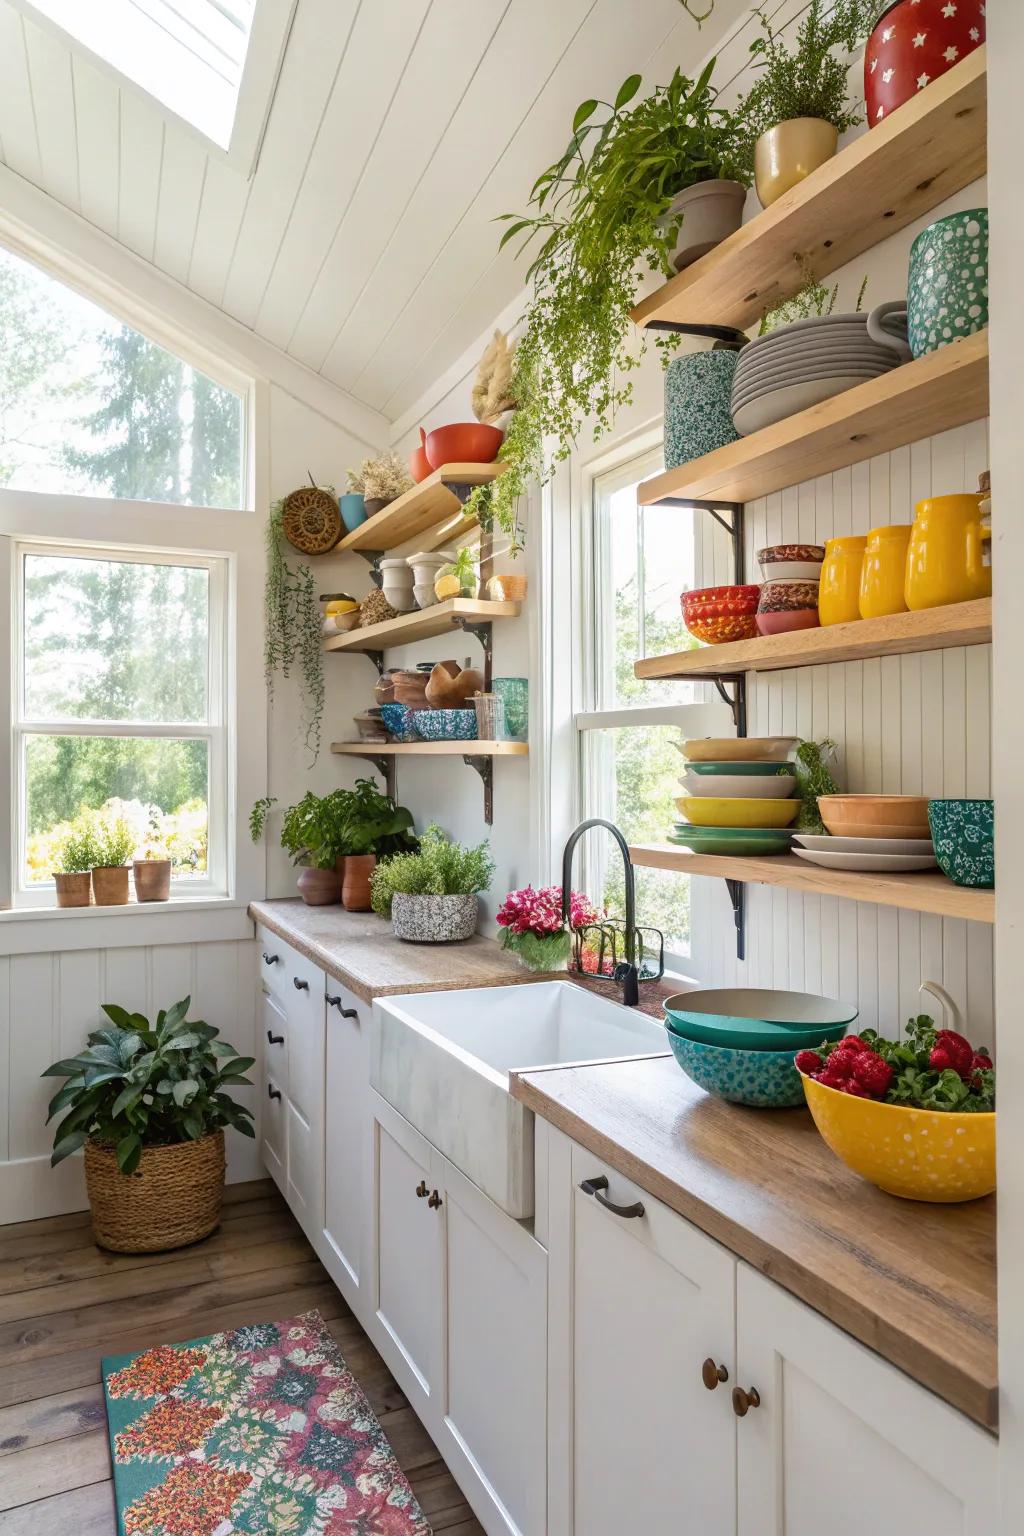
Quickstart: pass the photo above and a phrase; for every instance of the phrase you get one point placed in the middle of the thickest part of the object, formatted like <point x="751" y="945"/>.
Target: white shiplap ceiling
<point x="364" y="245"/>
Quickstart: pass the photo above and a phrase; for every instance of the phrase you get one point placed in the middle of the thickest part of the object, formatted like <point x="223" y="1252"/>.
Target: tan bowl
<point x="875" y="815"/>
<point x="738" y="749"/>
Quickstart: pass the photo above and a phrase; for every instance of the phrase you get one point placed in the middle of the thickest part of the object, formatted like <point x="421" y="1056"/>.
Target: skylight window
<point x="191" y="55"/>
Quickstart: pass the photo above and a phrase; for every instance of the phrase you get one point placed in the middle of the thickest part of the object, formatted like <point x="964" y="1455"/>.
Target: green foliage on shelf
<point x="320" y="829"/>
<point x="813" y="779"/>
<point x="600" y="213"/>
<point x="440" y="868"/>
<point x="292" y="630"/>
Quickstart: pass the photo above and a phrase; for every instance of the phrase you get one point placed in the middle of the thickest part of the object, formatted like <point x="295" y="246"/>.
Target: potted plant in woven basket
<point x="77" y="855"/>
<point x="431" y="896"/>
<point x="149" y="1104"/>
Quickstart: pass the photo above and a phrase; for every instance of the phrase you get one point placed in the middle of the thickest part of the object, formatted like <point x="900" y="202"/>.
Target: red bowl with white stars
<point x="914" y="42"/>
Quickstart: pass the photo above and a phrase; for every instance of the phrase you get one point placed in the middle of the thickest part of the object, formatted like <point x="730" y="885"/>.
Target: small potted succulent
<point x="114" y="847"/>
<point x="799" y="104"/>
<point x="533" y="928"/>
<point x="152" y="872"/>
<point x="431" y="896"/>
<point x="149" y="1104"/>
<point x="77" y="855"/>
<point x="379" y="480"/>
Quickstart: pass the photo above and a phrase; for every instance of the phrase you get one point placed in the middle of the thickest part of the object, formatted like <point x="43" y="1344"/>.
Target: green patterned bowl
<point x="760" y="1079"/>
<point x="964" y="841"/>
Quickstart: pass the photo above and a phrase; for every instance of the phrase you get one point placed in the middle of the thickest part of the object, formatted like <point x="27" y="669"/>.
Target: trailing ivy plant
<point x="138" y="1085"/>
<point x="601" y="215"/>
<point x="810" y="81"/>
<point x="292" y="630"/>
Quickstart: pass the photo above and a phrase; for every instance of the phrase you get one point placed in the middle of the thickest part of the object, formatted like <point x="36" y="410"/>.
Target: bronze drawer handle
<point x="346" y="1013"/>
<point x="272" y="1092"/>
<point x="711" y="1374"/>
<point x="435" y="1202"/>
<point x="421" y="1190"/>
<point x="271" y="959"/>
<point x="273" y="1039"/>
<point x="595" y="1186"/>
<point x="743" y="1401"/>
<point x="300" y="986"/>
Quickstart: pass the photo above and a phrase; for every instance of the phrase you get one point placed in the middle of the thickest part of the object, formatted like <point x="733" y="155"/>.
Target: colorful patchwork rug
<point x="262" y="1430"/>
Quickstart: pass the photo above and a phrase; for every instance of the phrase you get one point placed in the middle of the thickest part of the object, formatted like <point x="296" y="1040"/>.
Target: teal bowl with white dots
<point x="947" y="285"/>
<point x="760" y="1079"/>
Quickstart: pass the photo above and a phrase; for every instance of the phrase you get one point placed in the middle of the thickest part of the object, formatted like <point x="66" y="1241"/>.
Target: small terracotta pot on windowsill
<point x="110" y="885"/>
<point x="355" y="891"/>
<point x="74" y="890"/>
<point x="152" y="879"/>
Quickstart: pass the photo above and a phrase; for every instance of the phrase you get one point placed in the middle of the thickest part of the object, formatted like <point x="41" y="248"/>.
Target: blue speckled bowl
<point x="762" y="1079"/>
<point x="445" y="724"/>
<point x="398" y="722"/>
<point x="963" y="836"/>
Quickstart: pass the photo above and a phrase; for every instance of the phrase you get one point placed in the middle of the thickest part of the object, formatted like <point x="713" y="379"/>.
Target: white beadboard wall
<point x="48" y="1005"/>
<point x="902" y="725"/>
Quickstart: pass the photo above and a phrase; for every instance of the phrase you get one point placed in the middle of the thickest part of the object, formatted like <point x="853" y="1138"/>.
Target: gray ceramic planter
<point x="433" y="919"/>
<point x="712" y="210"/>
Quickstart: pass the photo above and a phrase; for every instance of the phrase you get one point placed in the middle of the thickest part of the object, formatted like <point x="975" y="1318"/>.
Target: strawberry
<point x="808" y="1062"/>
<point x="852" y="1043"/>
<point x="840" y="1064"/>
<point x="951" y="1050"/>
<point x="872" y="1074"/>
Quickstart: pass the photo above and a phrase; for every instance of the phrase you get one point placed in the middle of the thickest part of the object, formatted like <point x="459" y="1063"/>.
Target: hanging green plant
<point x="601" y="212"/>
<point x="292" y="630"/>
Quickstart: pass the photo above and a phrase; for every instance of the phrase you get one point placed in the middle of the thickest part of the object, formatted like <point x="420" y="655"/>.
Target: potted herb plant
<point x="799" y="104"/>
<point x="152" y="873"/>
<point x="114" y="847"/>
<point x="372" y="827"/>
<point x="149" y="1104"/>
<point x="607" y="207"/>
<point x="533" y="928"/>
<point x="431" y="896"/>
<point x="311" y="834"/>
<point x="77" y="855"/>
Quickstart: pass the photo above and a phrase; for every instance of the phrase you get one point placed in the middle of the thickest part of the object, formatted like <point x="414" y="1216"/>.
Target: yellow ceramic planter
<point x="790" y="151"/>
<point x="883" y="573"/>
<point x="949" y="558"/>
<point x="715" y="811"/>
<point x="839" y="587"/>
<point x="917" y="1154"/>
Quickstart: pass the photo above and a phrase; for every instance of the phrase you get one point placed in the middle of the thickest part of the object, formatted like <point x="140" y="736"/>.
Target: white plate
<point x="727" y="786"/>
<point x="869" y="863"/>
<point x="822" y="843"/>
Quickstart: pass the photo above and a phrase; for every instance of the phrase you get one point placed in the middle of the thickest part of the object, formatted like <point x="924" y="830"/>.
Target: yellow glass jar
<point x="839" y="592"/>
<point x="949" y="557"/>
<point x="883" y="575"/>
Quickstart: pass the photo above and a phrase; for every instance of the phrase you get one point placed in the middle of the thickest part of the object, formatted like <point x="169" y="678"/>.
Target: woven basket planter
<point x="172" y="1199"/>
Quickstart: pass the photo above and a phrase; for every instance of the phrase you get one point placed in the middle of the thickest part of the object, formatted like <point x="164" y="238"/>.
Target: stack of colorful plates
<point x="871" y="834"/>
<point x="739" y="796"/>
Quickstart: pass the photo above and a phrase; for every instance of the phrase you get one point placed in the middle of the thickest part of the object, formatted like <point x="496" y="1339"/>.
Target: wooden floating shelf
<point x="898" y="634"/>
<point x="424" y="624"/>
<point x="468" y="748"/>
<point x="888" y="177"/>
<point x="923" y="892"/>
<point x="422" y="509"/>
<point x="920" y="399"/>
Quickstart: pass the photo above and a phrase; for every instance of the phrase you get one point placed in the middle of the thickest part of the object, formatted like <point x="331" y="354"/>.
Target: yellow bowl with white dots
<point x="918" y="1154"/>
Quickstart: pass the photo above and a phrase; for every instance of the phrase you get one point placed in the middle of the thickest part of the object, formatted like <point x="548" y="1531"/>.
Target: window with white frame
<point x="637" y="560"/>
<point x="119" y="709"/>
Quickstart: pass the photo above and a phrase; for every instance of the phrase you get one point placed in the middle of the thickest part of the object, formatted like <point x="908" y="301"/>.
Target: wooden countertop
<point x="359" y="950"/>
<point x="916" y="1282"/>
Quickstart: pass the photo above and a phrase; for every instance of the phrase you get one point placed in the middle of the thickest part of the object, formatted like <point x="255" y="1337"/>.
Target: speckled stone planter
<point x="947" y="288"/>
<point x="698" y="405"/>
<point x="433" y="919"/>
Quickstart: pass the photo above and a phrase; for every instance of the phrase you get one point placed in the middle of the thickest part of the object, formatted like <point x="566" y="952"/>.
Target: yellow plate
<point x="713" y="811"/>
<point x="738" y="749"/>
<point x="918" y="1154"/>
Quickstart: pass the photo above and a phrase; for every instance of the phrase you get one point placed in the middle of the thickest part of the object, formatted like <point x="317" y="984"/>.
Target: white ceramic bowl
<point x="727" y="786"/>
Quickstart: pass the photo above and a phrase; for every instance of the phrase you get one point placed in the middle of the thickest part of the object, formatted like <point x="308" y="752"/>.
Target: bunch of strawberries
<point x="865" y="1067"/>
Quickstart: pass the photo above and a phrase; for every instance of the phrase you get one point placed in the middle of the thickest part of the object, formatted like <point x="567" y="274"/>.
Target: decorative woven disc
<point x="311" y="522"/>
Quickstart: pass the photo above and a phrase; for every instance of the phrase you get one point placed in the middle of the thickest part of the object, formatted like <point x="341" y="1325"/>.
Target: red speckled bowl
<point x="719" y="614"/>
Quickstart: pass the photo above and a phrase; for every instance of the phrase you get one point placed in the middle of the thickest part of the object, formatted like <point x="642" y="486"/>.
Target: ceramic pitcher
<point x="949" y="557"/>
<point x="947" y="286"/>
<point x="884" y="571"/>
<point x="839" y="591"/>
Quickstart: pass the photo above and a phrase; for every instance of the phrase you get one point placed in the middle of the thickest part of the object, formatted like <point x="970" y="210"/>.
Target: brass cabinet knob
<point x="742" y="1401"/>
<point x="421" y="1190"/>
<point x="435" y="1201"/>
<point x="711" y="1374"/>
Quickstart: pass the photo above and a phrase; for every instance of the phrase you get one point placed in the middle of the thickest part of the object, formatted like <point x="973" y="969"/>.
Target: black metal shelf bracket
<point x="373" y="557"/>
<point x="377" y="657"/>
<point x="462" y="490"/>
<point x="385" y="766"/>
<point x="482" y="631"/>
<point x="728" y="515"/>
<point x="726" y="335"/>
<point x="735" y="889"/>
<point x="485" y="768"/>
<point x="737" y="700"/>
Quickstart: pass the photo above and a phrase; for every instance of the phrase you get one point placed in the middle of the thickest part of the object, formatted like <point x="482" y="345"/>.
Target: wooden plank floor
<point x="64" y="1304"/>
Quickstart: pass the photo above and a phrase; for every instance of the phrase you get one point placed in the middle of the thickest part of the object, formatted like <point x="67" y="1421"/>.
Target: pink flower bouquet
<point x="533" y="928"/>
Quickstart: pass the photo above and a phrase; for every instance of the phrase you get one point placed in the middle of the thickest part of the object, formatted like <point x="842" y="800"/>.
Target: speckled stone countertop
<point x="359" y="950"/>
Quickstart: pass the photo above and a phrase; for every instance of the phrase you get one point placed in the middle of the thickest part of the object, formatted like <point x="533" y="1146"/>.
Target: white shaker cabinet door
<point x="347" y="1134"/>
<point x="841" y="1441"/>
<point x="274" y="1090"/>
<point x="303" y="1003"/>
<point x="652" y="1299"/>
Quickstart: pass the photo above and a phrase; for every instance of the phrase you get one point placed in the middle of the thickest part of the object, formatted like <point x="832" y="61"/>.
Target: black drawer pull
<point x="272" y="1092"/>
<point x="300" y="986"/>
<point x="271" y="959"/>
<point x="273" y="1039"/>
<point x="595" y="1186"/>
<point x="346" y="1013"/>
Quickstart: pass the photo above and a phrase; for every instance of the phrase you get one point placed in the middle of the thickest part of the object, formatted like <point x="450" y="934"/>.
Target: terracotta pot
<point x="73" y="890"/>
<point x="375" y="504"/>
<point x="319" y="887"/>
<point x="895" y="64"/>
<point x="110" y="885"/>
<point x="464" y="442"/>
<point x="419" y="464"/>
<point x="790" y="151"/>
<point x="152" y="879"/>
<point x="355" y="891"/>
<point x="712" y="210"/>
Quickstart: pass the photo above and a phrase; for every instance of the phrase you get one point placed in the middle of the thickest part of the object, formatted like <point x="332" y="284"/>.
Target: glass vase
<point x="490" y="716"/>
<point x="514" y="693"/>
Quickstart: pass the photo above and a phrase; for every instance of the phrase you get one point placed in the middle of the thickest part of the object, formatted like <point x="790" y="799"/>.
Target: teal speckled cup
<point x="947" y="285"/>
<point x="698" y="405"/>
<point x="963" y="836"/>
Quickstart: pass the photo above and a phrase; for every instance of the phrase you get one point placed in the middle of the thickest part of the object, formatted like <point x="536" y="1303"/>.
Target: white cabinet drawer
<point x="274" y="1041"/>
<point x="304" y="1005"/>
<point x="272" y="953"/>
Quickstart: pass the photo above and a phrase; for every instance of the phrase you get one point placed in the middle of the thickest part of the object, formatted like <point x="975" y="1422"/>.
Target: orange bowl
<point x="875" y="815"/>
<point x="464" y="442"/>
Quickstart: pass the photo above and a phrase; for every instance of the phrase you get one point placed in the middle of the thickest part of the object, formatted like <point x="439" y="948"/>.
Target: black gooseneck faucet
<point x="627" y="971"/>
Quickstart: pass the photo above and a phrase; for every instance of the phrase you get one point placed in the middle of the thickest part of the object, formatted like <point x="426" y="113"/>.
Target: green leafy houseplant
<point x="138" y="1085"/>
<point x="810" y="81"/>
<point x="600" y="213"/>
<point x="813" y="779"/>
<point x="813" y="301"/>
<point x="114" y="844"/>
<point x="80" y="852"/>
<point x="320" y="829"/>
<point x="292" y="630"/>
<point x="440" y="868"/>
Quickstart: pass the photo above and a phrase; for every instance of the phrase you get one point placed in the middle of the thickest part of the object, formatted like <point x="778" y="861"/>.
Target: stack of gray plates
<point x="802" y="364"/>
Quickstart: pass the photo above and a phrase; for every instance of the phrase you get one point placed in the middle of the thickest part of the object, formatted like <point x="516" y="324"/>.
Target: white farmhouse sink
<point x="443" y="1059"/>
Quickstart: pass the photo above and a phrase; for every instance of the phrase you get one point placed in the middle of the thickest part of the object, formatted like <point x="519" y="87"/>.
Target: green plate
<point x="799" y="1020"/>
<point x="742" y="770"/>
<point x="738" y="841"/>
